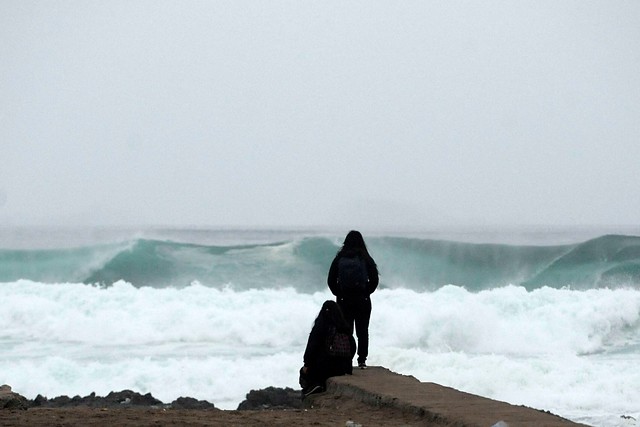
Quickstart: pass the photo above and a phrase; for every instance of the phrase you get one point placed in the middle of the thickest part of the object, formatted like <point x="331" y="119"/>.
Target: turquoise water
<point x="413" y="263"/>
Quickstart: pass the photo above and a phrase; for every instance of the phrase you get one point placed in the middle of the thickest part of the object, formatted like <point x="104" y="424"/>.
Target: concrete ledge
<point x="435" y="404"/>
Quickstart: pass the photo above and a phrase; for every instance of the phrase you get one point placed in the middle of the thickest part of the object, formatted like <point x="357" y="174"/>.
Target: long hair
<point x="354" y="243"/>
<point x="354" y="240"/>
<point x="331" y="315"/>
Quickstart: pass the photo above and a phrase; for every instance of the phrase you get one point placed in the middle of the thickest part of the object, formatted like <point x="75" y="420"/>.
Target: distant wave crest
<point x="418" y="264"/>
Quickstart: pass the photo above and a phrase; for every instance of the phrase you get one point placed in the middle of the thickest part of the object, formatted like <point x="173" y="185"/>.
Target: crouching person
<point x="330" y="350"/>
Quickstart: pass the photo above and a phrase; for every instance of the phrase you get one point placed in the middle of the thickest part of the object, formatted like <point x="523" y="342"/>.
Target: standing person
<point x="330" y="349"/>
<point x="353" y="277"/>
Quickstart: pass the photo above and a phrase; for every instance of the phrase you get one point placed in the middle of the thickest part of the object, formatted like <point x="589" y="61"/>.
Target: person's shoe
<point x="313" y="390"/>
<point x="362" y="365"/>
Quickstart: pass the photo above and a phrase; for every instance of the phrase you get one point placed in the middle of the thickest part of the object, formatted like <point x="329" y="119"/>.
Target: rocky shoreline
<point x="267" y="407"/>
<point x="264" y="399"/>
<point x="372" y="397"/>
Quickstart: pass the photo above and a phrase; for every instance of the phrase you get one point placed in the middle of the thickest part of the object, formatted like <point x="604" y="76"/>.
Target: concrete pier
<point x="433" y="403"/>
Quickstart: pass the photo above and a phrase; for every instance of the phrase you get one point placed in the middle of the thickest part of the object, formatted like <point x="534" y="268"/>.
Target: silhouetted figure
<point x="353" y="277"/>
<point x="330" y="349"/>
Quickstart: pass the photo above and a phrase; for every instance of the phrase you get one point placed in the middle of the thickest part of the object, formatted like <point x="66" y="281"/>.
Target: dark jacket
<point x="316" y="354"/>
<point x="372" y="273"/>
<point x="316" y="344"/>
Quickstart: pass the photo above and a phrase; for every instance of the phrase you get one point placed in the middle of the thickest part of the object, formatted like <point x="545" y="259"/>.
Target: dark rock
<point x="272" y="398"/>
<point x="128" y="397"/>
<point x="40" y="400"/>
<point x="57" y="402"/>
<point x="113" y="399"/>
<point x="268" y="398"/>
<point x="61" y="402"/>
<point x="11" y="400"/>
<point x="191" y="403"/>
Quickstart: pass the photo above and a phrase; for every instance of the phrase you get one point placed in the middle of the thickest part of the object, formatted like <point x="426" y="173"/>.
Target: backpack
<point x="352" y="275"/>
<point x="339" y="345"/>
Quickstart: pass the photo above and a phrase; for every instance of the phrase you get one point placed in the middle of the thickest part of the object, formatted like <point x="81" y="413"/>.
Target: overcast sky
<point x="306" y="113"/>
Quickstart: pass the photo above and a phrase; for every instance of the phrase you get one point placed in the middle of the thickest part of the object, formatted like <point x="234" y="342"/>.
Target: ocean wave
<point x="418" y="264"/>
<point x="507" y="320"/>
<point x="507" y="343"/>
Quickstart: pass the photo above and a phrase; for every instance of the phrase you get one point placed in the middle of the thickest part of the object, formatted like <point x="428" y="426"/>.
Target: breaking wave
<point x="417" y="264"/>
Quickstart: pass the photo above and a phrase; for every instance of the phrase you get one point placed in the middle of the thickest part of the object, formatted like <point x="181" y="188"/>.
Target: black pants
<point x="358" y="311"/>
<point x="323" y="367"/>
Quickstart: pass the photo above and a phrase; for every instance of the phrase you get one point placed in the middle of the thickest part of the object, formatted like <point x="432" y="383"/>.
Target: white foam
<point x="511" y="320"/>
<point x="574" y="353"/>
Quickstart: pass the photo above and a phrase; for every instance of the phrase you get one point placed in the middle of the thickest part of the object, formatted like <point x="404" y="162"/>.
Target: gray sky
<point x="305" y="113"/>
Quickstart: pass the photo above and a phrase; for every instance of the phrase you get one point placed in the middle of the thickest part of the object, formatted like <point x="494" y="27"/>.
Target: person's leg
<point x="362" y="317"/>
<point x="348" y="312"/>
<point x="340" y="366"/>
<point x="317" y="375"/>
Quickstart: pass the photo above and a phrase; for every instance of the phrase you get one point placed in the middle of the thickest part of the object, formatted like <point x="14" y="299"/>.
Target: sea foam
<point x="573" y="352"/>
